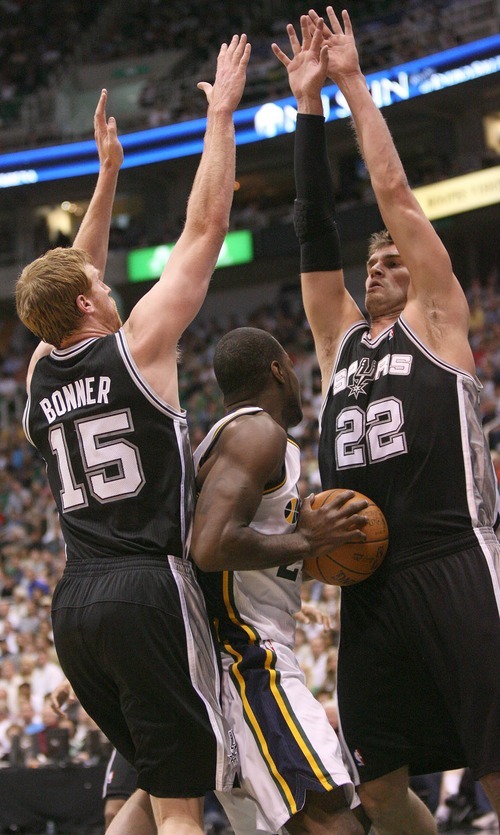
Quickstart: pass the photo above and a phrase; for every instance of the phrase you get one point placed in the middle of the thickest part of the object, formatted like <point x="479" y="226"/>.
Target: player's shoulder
<point x="253" y="429"/>
<point x="43" y="349"/>
<point x="258" y="421"/>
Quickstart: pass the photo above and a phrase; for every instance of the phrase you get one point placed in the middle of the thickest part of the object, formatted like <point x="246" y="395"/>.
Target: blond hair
<point x="379" y="240"/>
<point x="46" y="293"/>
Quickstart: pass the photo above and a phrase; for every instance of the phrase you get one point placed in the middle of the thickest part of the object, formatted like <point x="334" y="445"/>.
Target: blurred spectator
<point x="5" y="722"/>
<point x="16" y="744"/>
<point x="9" y="683"/>
<point x="314" y="663"/>
<point x="30" y="620"/>
<point x="88" y="743"/>
<point x="28" y="718"/>
<point x="45" y="677"/>
<point x="33" y="79"/>
<point x="332" y="711"/>
<point x="39" y="751"/>
<point x="330" y="680"/>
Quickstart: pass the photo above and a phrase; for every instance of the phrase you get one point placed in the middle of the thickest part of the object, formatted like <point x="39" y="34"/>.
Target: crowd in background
<point x="43" y="61"/>
<point x="41" y="48"/>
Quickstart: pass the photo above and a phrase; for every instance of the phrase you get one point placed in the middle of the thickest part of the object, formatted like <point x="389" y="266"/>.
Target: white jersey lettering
<point x="85" y="392"/>
<point x="356" y="377"/>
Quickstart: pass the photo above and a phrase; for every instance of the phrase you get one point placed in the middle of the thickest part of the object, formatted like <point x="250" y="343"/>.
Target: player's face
<point x="387" y="282"/>
<point x="104" y="303"/>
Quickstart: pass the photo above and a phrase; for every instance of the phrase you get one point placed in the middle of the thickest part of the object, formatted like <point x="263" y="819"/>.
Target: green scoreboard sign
<point x="147" y="264"/>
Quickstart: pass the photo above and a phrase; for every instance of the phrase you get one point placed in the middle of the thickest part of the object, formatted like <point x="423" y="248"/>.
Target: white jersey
<point x="258" y="604"/>
<point x="286" y="744"/>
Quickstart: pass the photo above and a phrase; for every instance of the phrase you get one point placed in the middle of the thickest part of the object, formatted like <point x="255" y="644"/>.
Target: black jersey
<point x="403" y="427"/>
<point x="118" y="458"/>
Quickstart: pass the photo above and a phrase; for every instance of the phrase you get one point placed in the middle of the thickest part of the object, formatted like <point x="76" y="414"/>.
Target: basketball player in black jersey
<point x="129" y="619"/>
<point x="418" y="673"/>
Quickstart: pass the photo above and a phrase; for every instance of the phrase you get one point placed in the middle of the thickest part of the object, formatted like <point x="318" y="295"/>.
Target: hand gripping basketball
<point x="354" y="561"/>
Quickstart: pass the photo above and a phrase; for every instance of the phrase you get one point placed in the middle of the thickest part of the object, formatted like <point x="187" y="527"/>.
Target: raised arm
<point x="93" y="234"/>
<point x="249" y="456"/>
<point x="161" y="316"/>
<point x="329" y="307"/>
<point x="435" y="296"/>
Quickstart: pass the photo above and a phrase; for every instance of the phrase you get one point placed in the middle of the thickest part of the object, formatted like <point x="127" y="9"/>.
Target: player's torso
<point x="249" y="606"/>
<point x="403" y="427"/>
<point x="118" y="458"/>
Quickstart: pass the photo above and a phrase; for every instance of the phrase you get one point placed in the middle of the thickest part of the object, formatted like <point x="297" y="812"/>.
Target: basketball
<point x="355" y="561"/>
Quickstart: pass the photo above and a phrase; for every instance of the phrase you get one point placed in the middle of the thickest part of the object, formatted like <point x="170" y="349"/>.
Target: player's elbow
<point x="393" y="186"/>
<point x="208" y="554"/>
<point x="214" y="553"/>
<point x="211" y="229"/>
<point x="205" y="562"/>
<point x="218" y="228"/>
<point x="204" y="557"/>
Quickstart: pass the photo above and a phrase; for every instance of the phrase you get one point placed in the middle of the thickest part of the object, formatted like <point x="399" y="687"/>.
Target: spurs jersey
<point x="111" y="447"/>
<point x="403" y="427"/>
<point x="252" y="606"/>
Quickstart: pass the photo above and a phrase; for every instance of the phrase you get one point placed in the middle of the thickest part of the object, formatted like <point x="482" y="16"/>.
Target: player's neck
<point x="249" y="403"/>
<point x="256" y="402"/>
<point x="378" y="324"/>
<point x="90" y="332"/>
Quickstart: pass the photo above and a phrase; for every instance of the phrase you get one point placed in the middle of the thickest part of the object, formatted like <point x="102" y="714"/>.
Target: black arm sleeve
<point x="314" y="208"/>
<point x="313" y="175"/>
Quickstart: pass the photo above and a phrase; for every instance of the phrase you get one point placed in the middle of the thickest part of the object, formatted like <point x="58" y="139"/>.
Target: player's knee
<point x="111" y="809"/>
<point x="491" y="785"/>
<point x="326" y="812"/>
<point x="380" y="797"/>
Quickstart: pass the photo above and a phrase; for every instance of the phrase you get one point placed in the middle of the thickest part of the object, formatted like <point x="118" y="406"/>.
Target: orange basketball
<point x="354" y="561"/>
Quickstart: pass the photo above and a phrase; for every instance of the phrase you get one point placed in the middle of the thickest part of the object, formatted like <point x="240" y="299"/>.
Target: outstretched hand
<point x="343" y="57"/>
<point x="307" y="69"/>
<point x="226" y="91"/>
<point x="105" y="132"/>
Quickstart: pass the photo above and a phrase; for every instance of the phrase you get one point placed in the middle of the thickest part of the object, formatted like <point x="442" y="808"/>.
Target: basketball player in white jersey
<point x="250" y="537"/>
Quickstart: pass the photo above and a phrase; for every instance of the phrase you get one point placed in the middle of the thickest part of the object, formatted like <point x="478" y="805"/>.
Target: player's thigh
<point x="112" y="806"/>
